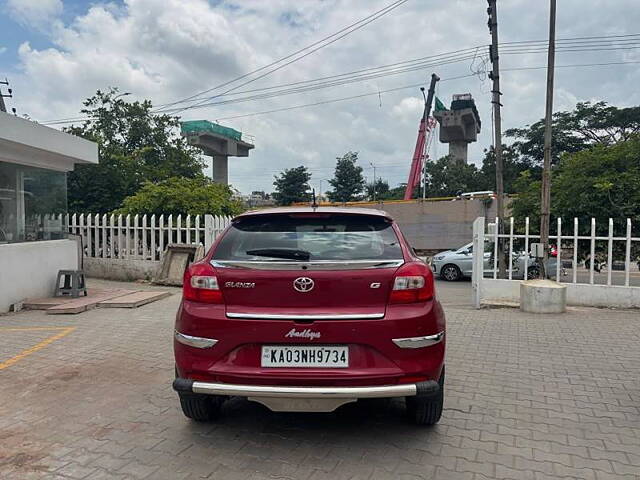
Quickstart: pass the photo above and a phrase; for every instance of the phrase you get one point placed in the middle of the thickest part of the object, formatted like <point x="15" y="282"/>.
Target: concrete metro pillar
<point x="458" y="151"/>
<point x="220" y="170"/>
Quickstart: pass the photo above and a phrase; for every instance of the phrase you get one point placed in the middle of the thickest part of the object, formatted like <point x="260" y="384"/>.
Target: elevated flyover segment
<point x="218" y="142"/>
<point x="459" y="125"/>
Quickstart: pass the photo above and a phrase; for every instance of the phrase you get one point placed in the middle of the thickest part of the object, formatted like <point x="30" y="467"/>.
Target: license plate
<point x="325" y="356"/>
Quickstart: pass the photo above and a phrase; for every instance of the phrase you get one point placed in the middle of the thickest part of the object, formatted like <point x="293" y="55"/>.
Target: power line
<point x="318" y="86"/>
<point x="318" y="45"/>
<point x="464" y="54"/>
<point x="356" y="78"/>
<point x="367" y="74"/>
<point x="336" y="99"/>
<point x="409" y="86"/>
<point x="576" y="65"/>
<point x="569" y="39"/>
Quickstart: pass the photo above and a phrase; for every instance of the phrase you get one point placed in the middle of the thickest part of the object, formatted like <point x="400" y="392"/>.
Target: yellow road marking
<point x="26" y="329"/>
<point x="39" y="346"/>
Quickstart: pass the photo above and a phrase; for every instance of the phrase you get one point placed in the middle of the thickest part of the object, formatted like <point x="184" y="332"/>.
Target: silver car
<point x="453" y="265"/>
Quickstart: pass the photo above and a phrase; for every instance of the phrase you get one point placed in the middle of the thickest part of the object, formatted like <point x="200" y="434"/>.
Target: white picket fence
<point x="142" y="237"/>
<point x="614" y="257"/>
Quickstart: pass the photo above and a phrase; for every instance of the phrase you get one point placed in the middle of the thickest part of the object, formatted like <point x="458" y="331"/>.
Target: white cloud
<point x="408" y="109"/>
<point x="169" y="49"/>
<point x="35" y="13"/>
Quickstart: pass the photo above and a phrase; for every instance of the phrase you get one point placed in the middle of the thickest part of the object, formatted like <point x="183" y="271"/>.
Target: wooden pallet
<point x="81" y="304"/>
<point x="133" y="300"/>
<point x="48" y="302"/>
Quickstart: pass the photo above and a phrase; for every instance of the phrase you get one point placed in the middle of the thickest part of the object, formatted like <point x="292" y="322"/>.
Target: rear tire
<point x="533" y="273"/>
<point x="201" y="408"/>
<point x="426" y="410"/>
<point x="450" y="273"/>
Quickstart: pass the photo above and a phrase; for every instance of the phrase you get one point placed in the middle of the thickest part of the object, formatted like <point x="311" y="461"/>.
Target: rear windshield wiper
<point x="288" y="253"/>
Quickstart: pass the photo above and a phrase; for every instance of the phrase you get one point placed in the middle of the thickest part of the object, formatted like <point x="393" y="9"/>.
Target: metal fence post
<point x="478" y="260"/>
<point x="209" y="232"/>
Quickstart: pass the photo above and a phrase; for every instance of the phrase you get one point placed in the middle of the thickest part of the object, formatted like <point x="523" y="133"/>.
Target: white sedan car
<point x="453" y="265"/>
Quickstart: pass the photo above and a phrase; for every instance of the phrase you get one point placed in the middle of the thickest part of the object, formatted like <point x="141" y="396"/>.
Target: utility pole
<point x="497" y="142"/>
<point x="545" y="201"/>
<point x="374" y="180"/>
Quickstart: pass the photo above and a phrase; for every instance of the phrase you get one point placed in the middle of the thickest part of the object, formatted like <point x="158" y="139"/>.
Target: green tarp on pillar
<point x="194" y="127"/>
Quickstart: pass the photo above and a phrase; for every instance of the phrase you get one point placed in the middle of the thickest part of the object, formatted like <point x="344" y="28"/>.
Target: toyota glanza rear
<point x="307" y="309"/>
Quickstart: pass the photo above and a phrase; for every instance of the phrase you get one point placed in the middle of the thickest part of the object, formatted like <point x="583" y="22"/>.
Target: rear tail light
<point x="200" y="284"/>
<point x="413" y="283"/>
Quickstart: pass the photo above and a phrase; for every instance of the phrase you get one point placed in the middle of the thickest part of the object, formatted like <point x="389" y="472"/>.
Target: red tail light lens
<point x="413" y="283"/>
<point x="200" y="284"/>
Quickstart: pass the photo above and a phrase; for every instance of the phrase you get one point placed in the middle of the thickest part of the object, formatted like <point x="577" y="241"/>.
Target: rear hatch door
<point x="312" y="264"/>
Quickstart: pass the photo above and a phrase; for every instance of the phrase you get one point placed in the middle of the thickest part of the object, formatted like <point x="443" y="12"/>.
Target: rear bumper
<point x="427" y="388"/>
<point x="305" y="399"/>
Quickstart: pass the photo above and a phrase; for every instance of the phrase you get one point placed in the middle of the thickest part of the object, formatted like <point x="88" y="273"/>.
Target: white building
<point x="34" y="161"/>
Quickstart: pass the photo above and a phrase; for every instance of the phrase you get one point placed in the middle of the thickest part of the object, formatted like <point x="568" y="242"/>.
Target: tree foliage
<point x="601" y="182"/>
<point x="135" y="146"/>
<point x="512" y="166"/>
<point x="588" y="125"/>
<point x="179" y="195"/>
<point x="347" y="182"/>
<point x="378" y="190"/>
<point x="447" y="177"/>
<point x="292" y="186"/>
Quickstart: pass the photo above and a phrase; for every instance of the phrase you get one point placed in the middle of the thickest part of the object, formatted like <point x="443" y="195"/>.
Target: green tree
<point x="292" y="186"/>
<point x="513" y="166"/>
<point x="378" y="190"/>
<point x="601" y="182"/>
<point x="396" y="193"/>
<point x="179" y="195"/>
<point x="135" y="146"/>
<point x="446" y="178"/>
<point x="589" y="124"/>
<point x="347" y="182"/>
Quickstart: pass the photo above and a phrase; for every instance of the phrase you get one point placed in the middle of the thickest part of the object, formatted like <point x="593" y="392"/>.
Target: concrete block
<point x="543" y="296"/>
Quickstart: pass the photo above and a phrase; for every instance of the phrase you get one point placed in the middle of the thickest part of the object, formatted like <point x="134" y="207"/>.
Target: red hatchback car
<point x="306" y="309"/>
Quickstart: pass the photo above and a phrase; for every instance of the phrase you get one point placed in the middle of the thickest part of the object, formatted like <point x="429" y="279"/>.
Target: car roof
<point x="335" y="210"/>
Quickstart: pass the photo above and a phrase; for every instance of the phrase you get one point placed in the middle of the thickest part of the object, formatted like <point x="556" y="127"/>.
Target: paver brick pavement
<point x="539" y="397"/>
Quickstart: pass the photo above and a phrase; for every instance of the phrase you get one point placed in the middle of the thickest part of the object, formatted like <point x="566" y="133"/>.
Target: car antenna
<point x="314" y="204"/>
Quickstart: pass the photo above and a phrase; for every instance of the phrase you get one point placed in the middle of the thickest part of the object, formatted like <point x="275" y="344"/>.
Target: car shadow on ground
<point x="379" y="421"/>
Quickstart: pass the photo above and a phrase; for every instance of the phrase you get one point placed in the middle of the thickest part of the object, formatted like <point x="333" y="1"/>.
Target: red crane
<point x="427" y="125"/>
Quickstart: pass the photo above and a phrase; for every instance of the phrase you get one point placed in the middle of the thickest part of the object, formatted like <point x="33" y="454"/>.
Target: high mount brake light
<point x="413" y="283"/>
<point x="200" y="284"/>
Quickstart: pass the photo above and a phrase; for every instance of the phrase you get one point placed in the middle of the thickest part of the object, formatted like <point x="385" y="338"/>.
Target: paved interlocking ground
<point x="527" y="397"/>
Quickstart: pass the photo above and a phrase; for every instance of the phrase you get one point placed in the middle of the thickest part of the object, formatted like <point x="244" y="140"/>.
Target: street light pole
<point x="320" y="190"/>
<point x="545" y="201"/>
<point x="374" y="180"/>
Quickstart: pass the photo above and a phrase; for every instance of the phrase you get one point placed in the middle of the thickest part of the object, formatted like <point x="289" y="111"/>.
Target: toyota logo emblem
<point x="303" y="284"/>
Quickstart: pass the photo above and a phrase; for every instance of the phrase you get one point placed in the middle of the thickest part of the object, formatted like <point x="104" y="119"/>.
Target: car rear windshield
<point x="312" y="237"/>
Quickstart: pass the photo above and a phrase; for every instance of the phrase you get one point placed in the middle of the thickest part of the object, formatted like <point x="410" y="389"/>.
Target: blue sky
<point x="58" y="52"/>
<point x="14" y="31"/>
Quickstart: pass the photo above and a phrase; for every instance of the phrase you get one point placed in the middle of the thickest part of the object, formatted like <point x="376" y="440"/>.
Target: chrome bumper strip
<point x="304" y="392"/>
<point x="327" y="316"/>
<point x="419" y="342"/>
<point x="198" y="342"/>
